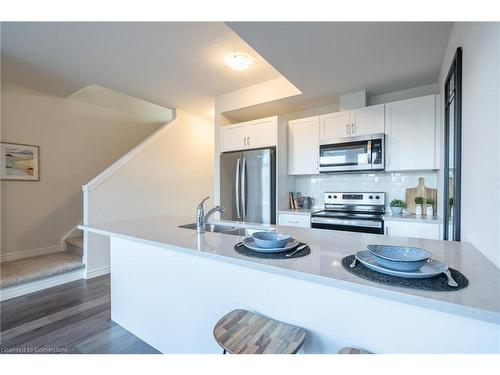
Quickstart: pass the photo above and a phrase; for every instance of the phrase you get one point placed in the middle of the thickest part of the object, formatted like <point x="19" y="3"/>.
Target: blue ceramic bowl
<point x="270" y="240"/>
<point x="400" y="258"/>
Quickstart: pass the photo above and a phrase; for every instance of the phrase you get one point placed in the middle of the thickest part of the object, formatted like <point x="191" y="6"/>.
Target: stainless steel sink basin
<point x="226" y="229"/>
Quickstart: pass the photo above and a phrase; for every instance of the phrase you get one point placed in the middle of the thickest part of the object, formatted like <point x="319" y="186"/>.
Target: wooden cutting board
<point x="420" y="191"/>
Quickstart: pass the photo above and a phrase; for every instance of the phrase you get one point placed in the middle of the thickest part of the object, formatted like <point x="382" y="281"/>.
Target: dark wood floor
<point x="69" y="318"/>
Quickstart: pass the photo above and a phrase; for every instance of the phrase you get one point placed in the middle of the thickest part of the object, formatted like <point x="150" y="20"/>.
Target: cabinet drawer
<point x="293" y="220"/>
<point x="415" y="230"/>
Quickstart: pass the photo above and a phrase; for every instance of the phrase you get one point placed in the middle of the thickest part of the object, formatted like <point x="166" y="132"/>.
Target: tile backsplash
<point x="393" y="184"/>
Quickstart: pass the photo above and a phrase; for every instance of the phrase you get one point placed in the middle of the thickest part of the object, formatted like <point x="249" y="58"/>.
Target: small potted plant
<point x="429" y="208"/>
<point x="397" y="206"/>
<point x="418" y="205"/>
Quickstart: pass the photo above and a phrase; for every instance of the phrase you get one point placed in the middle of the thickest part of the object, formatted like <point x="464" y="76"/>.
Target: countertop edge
<point x="442" y="306"/>
<point x="413" y="218"/>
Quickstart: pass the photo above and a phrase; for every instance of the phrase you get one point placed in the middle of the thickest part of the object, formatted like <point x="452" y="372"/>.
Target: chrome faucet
<point x="201" y="218"/>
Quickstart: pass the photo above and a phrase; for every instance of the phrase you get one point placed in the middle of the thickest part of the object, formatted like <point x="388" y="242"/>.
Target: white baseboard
<point x="35" y="286"/>
<point x="29" y="253"/>
<point x="97" y="272"/>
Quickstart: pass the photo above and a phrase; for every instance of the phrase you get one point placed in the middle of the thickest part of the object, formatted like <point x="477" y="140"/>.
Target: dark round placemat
<point x="243" y="250"/>
<point x="437" y="283"/>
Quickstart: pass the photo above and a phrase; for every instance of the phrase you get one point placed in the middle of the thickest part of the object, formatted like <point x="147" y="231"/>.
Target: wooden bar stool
<point x="244" y="332"/>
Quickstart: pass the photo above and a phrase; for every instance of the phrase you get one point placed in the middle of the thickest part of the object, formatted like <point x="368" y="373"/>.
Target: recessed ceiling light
<point x="238" y="61"/>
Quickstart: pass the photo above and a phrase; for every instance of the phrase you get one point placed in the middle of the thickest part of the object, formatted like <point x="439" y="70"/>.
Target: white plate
<point x="431" y="268"/>
<point x="250" y="243"/>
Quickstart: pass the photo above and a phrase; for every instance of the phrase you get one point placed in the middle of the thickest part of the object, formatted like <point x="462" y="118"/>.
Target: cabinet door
<point x="410" y="134"/>
<point x="415" y="230"/>
<point x="262" y="133"/>
<point x="232" y="138"/>
<point x="293" y="220"/>
<point x="367" y="120"/>
<point x="303" y="146"/>
<point x="335" y="125"/>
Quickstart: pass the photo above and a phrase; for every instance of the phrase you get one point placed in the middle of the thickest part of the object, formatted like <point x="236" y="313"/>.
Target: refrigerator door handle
<point x="237" y="188"/>
<point x="243" y="189"/>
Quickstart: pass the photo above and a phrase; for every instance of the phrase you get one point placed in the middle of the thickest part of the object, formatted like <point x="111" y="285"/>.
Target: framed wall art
<point x="19" y="162"/>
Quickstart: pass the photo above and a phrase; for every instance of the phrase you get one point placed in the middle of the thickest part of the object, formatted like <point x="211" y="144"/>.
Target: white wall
<point x="77" y="141"/>
<point x="480" y="132"/>
<point x="413" y="92"/>
<point x="169" y="176"/>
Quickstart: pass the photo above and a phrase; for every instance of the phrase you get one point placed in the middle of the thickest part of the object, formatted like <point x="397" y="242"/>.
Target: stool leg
<point x="224" y="351"/>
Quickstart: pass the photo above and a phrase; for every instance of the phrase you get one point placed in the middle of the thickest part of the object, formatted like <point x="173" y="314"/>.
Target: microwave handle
<point x="369" y="151"/>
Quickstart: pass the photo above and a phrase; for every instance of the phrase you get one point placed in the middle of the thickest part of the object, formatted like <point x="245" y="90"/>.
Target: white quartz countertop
<point x="413" y="218"/>
<point x="479" y="300"/>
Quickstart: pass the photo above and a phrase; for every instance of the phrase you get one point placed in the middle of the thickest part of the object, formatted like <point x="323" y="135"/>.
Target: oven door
<point x="352" y="154"/>
<point x="348" y="224"/>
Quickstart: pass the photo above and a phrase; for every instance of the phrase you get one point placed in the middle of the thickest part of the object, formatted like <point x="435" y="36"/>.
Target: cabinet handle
<point x="388" y="159"/>
<point x="387" y="230"/>
<point x="353" y="129"/>
<point x="244" y="141"/>
<point x="294" y="222"/>
<point x="347" y="129"/>
<point x="248" y="141"/>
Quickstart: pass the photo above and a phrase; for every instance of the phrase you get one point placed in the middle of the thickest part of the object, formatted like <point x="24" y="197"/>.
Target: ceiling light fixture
<point x="238" y="61"/>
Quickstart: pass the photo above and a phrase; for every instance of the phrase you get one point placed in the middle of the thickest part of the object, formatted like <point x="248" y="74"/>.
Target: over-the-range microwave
<point x="363" y="153"/>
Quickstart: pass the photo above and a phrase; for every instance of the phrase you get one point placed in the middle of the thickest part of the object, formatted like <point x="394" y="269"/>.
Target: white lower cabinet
<point x="413" y="229"/>
<point x="294" y="220"/>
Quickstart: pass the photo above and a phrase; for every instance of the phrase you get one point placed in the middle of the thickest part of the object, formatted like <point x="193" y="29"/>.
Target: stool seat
<point x="244" y="332"/>
<point x="352" y="350"/>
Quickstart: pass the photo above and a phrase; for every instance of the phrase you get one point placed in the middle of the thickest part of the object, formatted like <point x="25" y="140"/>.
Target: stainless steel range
<point x="353" y="212"/>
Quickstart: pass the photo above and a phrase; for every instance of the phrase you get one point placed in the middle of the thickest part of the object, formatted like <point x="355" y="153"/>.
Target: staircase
<point x="22" y="276"/>
<point x="75" y="245"/>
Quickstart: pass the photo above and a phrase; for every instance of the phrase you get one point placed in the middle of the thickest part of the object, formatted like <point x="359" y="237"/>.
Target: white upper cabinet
<point x="410" y="127"/>
<point x="353" y="123"/>
<point x="367" y="120"/>
<point x="262" y="133"/>
<point x="335" y="125"/>
<point x="251" y="134"/>
<point x="233" y="138"/>
<point x="303" y="146"/>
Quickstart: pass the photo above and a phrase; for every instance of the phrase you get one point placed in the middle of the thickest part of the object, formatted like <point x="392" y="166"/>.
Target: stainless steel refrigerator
<point x="248" y="186"/>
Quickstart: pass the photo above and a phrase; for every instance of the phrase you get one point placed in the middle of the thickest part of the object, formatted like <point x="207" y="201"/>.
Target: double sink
<point x="224" y="229"/>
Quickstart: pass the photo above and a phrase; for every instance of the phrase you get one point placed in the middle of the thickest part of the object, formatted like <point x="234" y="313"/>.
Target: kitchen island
<point x="170" y="285"/>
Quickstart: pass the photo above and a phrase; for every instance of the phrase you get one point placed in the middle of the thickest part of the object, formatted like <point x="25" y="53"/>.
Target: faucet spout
<point x="213" y="211"/>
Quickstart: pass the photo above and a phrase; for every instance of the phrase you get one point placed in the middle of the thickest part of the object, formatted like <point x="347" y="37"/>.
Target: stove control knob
<point x="329" y="197"/>
<point x="370" y="197"/>
<point x="377" y="197"/>
<point x="334" y="197"/>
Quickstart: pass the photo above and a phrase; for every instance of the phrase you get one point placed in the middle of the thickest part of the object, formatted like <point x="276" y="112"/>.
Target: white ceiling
<point x="180" y="65"/>
<point x="324" y="59"/>
<point x="173" y="64"/>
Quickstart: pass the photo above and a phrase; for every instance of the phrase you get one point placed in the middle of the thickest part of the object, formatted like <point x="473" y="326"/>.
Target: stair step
<point x="75" y="245"/>
<point x="75" y="241"/>
<point x="35" y="268"/>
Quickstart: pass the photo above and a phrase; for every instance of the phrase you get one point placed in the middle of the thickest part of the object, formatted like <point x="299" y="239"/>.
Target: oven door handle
<point x="347" y="222"/>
